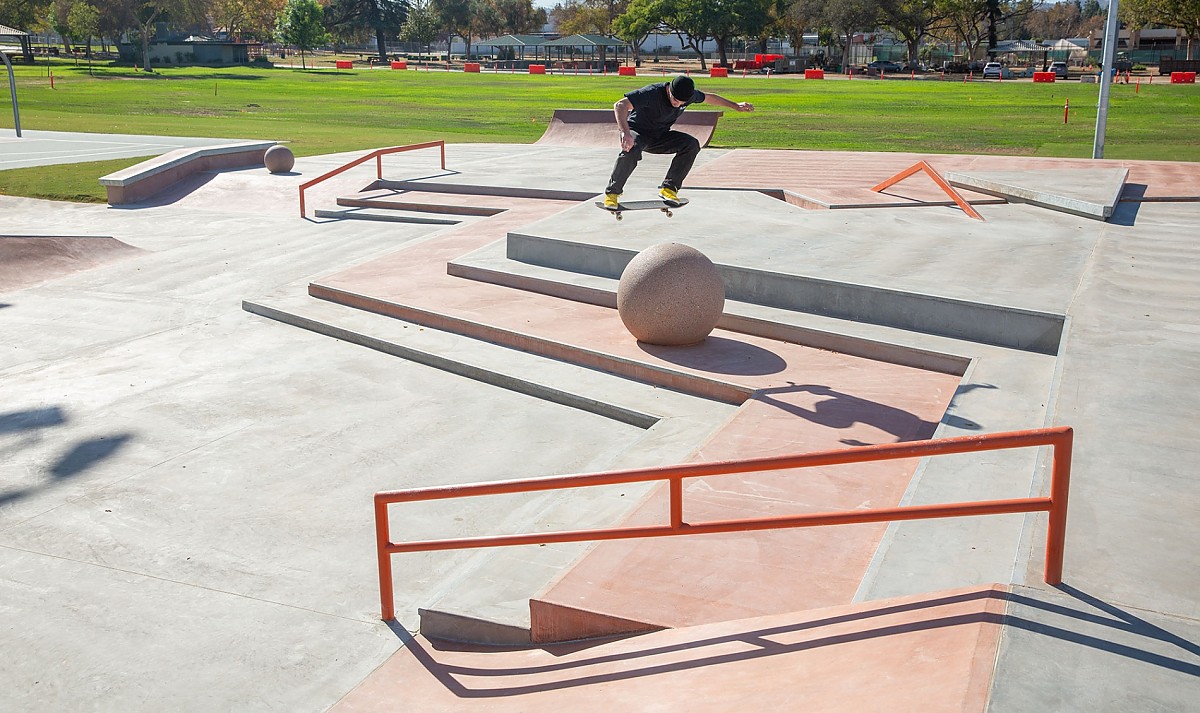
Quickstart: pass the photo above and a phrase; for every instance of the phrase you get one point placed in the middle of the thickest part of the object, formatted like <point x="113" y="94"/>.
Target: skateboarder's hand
<point x="626" y="141"/>
<point x="745" y="106"/>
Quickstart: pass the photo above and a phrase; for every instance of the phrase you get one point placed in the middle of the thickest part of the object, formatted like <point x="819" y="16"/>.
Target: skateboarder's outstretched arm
<point x="622" y="109"/>
<point x="710" y="98"/>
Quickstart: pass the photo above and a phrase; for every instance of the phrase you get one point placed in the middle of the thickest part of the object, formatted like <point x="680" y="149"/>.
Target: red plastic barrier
<point x="343" y="64"/>
<point x="399" y="65"/>
<point x="1043" y="77"/>
<point x="1183" y="77"/>
<point x="626" y="71"/>
<point x="718" y="71"/>
<point x="537" y="69"/>
<point x="471" y="67"/>
<point x="814" y="74"/>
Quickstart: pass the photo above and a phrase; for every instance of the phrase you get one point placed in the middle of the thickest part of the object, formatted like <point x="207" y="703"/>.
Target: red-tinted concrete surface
<point x="929" y="653"/>
<point x="27" y="261"/>
<point x="806" y="399"/>
<point x="843" y="177"/>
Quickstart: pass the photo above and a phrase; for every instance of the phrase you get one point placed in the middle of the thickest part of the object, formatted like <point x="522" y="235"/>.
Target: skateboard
<point x="659" y="204"/>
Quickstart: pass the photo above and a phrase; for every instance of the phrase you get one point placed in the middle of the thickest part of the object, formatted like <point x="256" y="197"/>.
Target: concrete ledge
<point x="1089" y="193"/>
<point x="139" y="182"/>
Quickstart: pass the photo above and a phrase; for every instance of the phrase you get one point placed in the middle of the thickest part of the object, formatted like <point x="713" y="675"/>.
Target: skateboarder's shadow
<point x="842" y="411"/>
<point x="720" y="356"/>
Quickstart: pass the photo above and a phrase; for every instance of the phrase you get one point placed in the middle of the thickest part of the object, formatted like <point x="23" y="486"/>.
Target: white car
<point x="992" y="69"/>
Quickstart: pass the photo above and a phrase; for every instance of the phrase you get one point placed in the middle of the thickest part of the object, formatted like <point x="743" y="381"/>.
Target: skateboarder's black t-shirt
<point x="652" y="113"/>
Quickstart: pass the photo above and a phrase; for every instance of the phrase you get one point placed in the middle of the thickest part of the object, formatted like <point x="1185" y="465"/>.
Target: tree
<point x="246" y="18"/>
<point x="422" y="23"/>
<point x="146" y="14"/>
<point x="59" y="11"/>
<point x="912" y="20"/>
<point x="23" y="14"/>
<point x="846" y="17"/>
<point x="383" y="18"/>
<point x="1183" y="14"/>
<point x="84" y="21"/>
<point x="519" y="17"/>
<point x="300" y="24"/>
<point x="641" y="17"/>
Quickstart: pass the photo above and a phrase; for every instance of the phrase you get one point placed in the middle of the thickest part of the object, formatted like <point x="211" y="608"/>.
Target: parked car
<point x="992" y="70"/>
<point x="1059" y="69"/>
<point x="885" y="66"/>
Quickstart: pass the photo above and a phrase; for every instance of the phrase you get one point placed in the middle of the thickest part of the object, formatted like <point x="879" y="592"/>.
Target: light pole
<point x="1110" y="48"/>
<point x="12" y="92"/>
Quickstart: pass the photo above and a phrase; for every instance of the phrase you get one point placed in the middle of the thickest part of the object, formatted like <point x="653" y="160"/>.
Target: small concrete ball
<point x="279" y="159"/>
<point x="670" y="294"/>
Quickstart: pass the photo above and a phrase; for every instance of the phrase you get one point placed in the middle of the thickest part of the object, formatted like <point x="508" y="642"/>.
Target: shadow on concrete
<point x="87" y="453"/>
<point x="954" y="421"/>
<point x="4" y="304"/>
<point x="31" y="419"/>
<point x="842" y="411"/>
<point x="766" y="642"/>
<point x="719" y="355"/>
<point x="1126" y="212"/>
<point x="81" y="457"/>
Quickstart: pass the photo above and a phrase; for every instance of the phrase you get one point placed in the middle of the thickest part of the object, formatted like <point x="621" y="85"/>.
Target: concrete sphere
<point x="670" y="294"/>
<point x="279" y="159"/>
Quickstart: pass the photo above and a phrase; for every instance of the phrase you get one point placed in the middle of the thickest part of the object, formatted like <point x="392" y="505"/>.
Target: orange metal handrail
<point x="1059" y="438"/>
<point x="378" y="155"/>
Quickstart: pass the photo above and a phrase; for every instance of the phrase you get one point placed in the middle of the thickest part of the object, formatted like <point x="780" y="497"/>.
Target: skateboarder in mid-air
<point x="645" y="117"/>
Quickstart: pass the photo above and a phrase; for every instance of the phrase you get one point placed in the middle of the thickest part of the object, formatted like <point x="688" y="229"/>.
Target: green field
<point x="325" y="111"/>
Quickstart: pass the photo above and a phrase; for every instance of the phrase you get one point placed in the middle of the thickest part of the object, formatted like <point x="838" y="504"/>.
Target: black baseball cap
<point x="682" y="88"/>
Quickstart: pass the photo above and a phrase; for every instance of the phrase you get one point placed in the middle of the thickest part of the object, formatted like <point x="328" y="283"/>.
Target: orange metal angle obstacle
<point x="937" y="178"/>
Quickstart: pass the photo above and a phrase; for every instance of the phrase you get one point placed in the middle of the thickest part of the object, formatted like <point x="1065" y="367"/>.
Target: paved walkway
<point x="43" y="148"/>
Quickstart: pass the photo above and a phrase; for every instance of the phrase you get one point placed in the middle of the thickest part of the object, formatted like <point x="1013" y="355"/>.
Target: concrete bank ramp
<point x="27" y="260"/>
<point x="598" y="127"/>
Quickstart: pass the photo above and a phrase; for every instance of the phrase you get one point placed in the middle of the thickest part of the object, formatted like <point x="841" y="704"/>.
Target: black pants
<point x="684" y="146"/>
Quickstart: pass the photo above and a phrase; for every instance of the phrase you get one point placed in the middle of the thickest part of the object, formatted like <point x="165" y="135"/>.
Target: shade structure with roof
<point x="589" y="44"/>
<point x="1021" y="47"/>
<point x="516" y="45"/>
<point x="10" y="34"/>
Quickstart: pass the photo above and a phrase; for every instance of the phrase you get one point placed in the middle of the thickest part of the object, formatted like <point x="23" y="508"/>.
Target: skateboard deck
<point x="643" y="205"/>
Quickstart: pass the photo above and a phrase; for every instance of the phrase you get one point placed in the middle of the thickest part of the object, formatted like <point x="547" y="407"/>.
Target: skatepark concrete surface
<point x="43" y="148"/>
<point x="192" y="432"/>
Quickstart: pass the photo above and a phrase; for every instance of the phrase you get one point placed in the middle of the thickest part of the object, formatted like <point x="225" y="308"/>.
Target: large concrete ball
<point x="670" y="294"/>
<point x="279" y="159"/>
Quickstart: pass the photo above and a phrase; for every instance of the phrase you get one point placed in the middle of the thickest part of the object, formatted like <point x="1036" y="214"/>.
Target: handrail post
<point x="379" y="166"/>
<point x="1056" y="530"/>
<point x="301" y="201"/>
<point x="676" y="490"/>
<point x="443" y="156"/>
<point x="387" y="603"/>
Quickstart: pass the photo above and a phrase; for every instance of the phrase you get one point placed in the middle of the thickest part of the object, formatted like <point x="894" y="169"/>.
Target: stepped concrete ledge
<point x="548" y="194"/>
<point x="1019" y="306"/>
<point x="144" y="180"/>
<point x="1091" y="193"/>
<point x="382" y="216"/>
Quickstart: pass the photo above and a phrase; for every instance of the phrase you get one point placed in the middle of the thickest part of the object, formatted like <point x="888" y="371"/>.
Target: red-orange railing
<point x="1056" y="504"/>
<point x="378" y="155"/>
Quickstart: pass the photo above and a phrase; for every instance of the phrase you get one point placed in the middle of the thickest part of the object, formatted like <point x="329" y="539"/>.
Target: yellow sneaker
<point x="612" y="200"/>
<point x="669" y="195"/>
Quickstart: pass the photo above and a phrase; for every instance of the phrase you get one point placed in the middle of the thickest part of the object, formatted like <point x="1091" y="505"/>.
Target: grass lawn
<point x="326" y="111"/>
